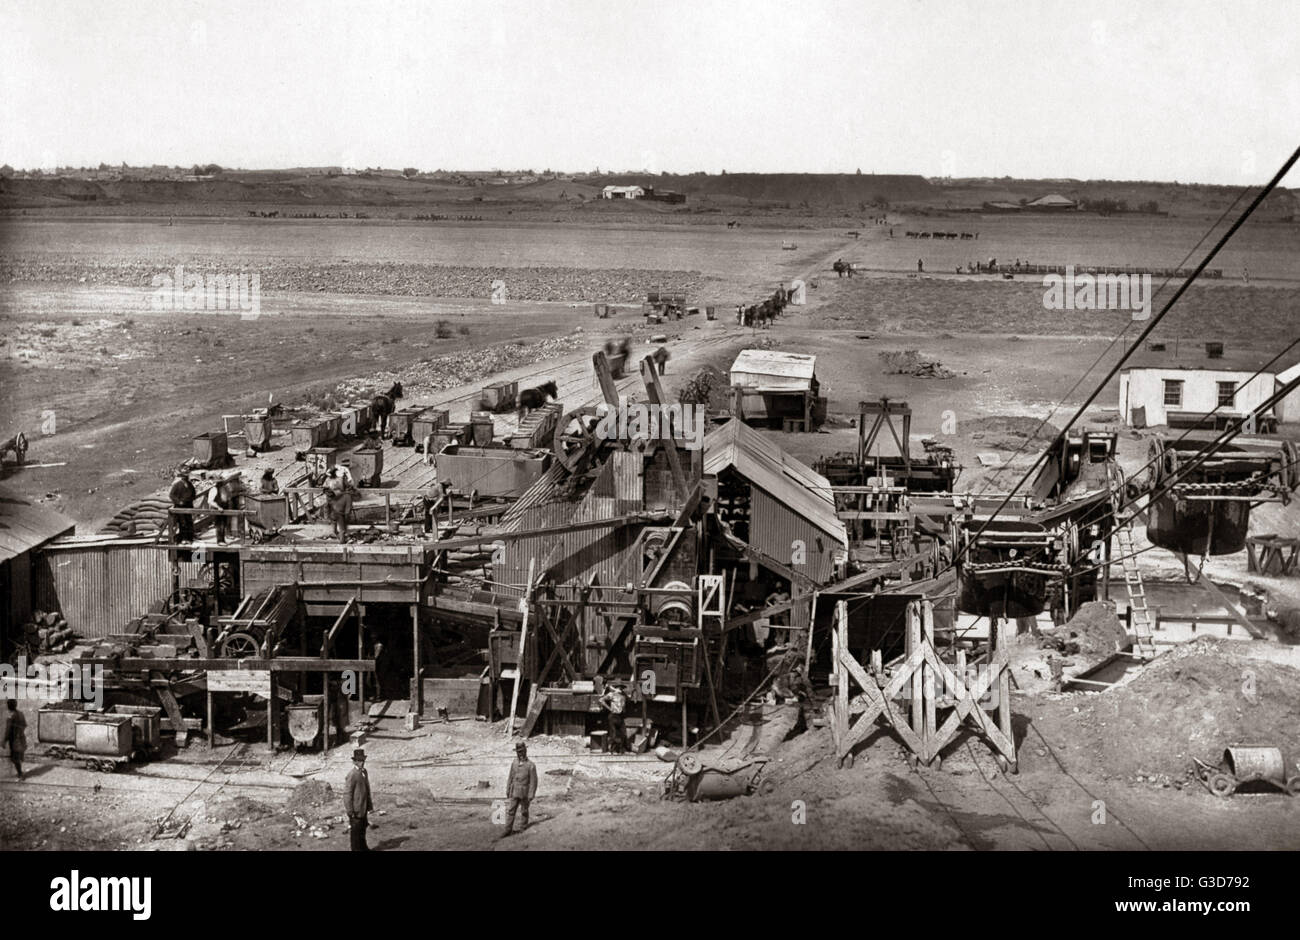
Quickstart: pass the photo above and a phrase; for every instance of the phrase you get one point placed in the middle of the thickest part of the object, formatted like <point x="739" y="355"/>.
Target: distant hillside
<point x="1188" y="199"/>
<point x="303" y="191"/>
<point x="835" y="190"/>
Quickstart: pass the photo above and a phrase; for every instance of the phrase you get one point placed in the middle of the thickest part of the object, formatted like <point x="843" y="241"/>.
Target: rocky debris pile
<point x="1096" y="630"/>
<point x="451" y="371"/>
<point x="617" y="285"/>
<point x="1193" y="701"/>
<point x="310" y="796"/>
<point x="911" y="362"/>
<point x="232" y="813"/>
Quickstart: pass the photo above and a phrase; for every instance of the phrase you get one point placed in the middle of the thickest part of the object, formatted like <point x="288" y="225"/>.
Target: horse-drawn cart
<point x="16" y="445"/>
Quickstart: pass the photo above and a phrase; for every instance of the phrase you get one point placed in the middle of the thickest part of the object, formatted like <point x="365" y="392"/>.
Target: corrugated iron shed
<point x="100" y="583"/>
<point x="787" y="480"/>
<point x="766" y="368"/>
<point x="25" y="525"/>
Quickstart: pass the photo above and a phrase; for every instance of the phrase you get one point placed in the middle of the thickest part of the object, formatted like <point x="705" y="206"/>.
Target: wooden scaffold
<point x="929" y="690"/>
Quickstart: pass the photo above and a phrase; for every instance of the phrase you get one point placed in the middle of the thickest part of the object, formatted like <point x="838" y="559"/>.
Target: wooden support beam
<point x="523" y="650"/>
<point x="655" y="392"/>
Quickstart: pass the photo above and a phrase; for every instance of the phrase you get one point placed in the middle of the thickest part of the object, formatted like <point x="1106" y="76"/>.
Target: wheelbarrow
<point x="1245" y="764"/>
<point x="701" y="778"/>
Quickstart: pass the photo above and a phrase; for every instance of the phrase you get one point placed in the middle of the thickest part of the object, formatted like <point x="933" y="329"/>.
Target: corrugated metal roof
<point x="806" y="492"/>
<point x="1191" y="356"/>
<point x="770" y="362"/>
<point x="25" y="525"/>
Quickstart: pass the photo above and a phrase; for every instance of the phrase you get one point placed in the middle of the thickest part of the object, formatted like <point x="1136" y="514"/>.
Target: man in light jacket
<point x="520" y="788"/>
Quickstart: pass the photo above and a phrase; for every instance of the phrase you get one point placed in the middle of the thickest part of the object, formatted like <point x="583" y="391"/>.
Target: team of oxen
<point x="761" y="315"/>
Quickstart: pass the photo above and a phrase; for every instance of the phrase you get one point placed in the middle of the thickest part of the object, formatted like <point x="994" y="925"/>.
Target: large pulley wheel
<point x="1289" y="472"/>
<point x="239" y="646"/>
<point x="575" y="437"/>
<point x="1163" y="461"/>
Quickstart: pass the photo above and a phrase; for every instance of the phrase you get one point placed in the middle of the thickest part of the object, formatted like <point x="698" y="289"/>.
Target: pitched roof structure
<point x="24" y="525"/>
<point x="765" y="465"/>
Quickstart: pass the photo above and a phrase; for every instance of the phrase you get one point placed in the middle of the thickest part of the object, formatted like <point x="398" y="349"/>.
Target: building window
<point x="1227" y="394"/>
<point x="1173" y="392"/>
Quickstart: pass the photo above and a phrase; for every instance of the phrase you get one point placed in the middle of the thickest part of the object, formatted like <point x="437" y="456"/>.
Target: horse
<point x="531" y="398"/>
<point x="842" y="268"/>
<point x="381" y="406"/>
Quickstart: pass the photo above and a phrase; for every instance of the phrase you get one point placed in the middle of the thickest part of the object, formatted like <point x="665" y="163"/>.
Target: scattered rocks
<point x="910" y="362"/>
<point x="443" y="372"/>
<point x="611" y="285"/>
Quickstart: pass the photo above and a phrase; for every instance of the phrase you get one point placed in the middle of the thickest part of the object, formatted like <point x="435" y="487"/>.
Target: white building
<point x="622" y="192"/>
<point x="1180" y="389"/>
<point x="769" y="370"/>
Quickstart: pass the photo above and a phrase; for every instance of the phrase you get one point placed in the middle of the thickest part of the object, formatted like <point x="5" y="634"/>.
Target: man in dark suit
<point x="357" y="802"/>
<point x="520" y="788"/>
<point x="16" y="740"/>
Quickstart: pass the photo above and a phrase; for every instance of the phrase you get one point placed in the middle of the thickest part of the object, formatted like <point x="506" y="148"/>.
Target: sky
<point x="1188" y="91"/>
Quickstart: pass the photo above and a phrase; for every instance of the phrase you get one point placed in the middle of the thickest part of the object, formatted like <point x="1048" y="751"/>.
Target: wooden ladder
<point x="1144" y="645"/>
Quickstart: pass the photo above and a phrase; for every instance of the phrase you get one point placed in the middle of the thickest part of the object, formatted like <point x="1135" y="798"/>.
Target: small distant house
<point x="776" y="389"/>
<point x="1192" y="388"/>
<point x="1053" y="202"/>
<point x="622" y="192"/>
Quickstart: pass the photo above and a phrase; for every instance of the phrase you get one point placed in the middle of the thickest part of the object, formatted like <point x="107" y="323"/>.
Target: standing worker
<point x="16" y="736"/>
<point x="182" y="496"/>
<point x="357" y="802"/>
<point x="520" y="788"/>
<point x="338" y="490"/>
<point x="270" y="485"/>
<point x="615" y="703"/>
<point x="224" y="495"/>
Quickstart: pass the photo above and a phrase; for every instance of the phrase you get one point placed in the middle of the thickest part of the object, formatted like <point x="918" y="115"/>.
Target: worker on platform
<point x="16" y="735"/>
<point x="224" y="496"/>
<point x="521" y="787"/>
<point x="615" y="704"/>
<point x="357" y="802"/>
<point x="270" y="485"/>
<point x="338" y="490"/>
<point x="182" y="496"/>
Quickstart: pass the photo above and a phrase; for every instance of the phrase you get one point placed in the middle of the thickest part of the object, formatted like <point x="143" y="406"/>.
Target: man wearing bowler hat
<point x="356" y="800"/>
<point x="520" y="788"/>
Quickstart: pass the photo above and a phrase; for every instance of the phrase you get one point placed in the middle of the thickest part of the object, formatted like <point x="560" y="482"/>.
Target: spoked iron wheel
<point x="575" y="437"/>
<point x="239" y="646"/>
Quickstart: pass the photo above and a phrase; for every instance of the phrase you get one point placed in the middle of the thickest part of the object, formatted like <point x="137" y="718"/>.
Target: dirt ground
<point x="129" y="387"/>
<point x="441" y="787"/>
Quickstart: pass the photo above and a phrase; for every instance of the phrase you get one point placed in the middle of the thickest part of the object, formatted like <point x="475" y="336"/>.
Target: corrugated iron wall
<point x="600" y="551"/>
<point x="100" y="588"/>
<point x="774" y="528"/>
